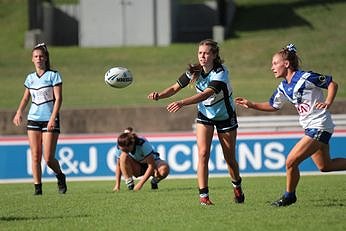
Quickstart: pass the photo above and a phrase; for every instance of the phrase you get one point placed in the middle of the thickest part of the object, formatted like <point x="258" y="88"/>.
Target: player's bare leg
<point x="204" y="138"/>
<point x="228" y="142"/>
<point x="301" y="151"/>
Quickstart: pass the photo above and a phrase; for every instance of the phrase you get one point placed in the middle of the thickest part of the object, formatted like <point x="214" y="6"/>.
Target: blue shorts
<point x="222" y="126"/>
<point x="42" y="126"/>
<point x="319" y="135"/>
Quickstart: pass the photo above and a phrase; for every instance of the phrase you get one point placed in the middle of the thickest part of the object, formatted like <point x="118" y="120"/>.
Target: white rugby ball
<point x="118" y="77"/>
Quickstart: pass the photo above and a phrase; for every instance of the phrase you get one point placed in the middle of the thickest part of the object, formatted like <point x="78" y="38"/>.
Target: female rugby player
<point x="215" y="109"/>
<point x="136" y="157"/>
<point x="44" y="86"/>
<point x="304" y="90"/>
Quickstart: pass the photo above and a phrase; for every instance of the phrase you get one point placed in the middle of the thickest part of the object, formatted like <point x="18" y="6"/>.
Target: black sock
<point x="38" y="189"/>
<point x="204" y="192"/>
<point x="236" y="183"/>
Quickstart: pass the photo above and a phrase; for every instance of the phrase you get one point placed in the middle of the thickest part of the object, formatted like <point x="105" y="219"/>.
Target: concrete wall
<point x="109" y="23"/>
<point x="144" y="119"/>
<point x="125" y="23"/>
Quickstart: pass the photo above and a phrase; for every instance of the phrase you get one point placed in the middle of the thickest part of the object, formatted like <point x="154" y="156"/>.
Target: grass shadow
<point x="19" y="218"/>
<point x="273" y="16"/>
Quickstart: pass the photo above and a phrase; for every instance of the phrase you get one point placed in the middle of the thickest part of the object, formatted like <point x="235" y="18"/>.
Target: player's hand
<point x="17" y="120"/>
<point x="116" y="189"/>
<point x="242" y="102"/>
<point x="175" y="106"/>
<point x="154" y="96"/>
<point x="322" y="105"/>
<point x="50" y="125"/>
<point x="137" y="187"/>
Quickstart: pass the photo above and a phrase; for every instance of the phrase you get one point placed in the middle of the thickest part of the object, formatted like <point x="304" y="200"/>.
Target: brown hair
<point x="214" y="48"/>
<point x="127" y="138"/>
<point x="196" y="69"/>
<point x="44" y="49"/>
<point x="289" y="53"/>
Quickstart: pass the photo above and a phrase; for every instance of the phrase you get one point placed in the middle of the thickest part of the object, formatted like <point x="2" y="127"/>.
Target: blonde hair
<point x="289" y="53"/>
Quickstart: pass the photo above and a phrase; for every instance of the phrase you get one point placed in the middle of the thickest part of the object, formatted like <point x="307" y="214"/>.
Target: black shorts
<point x="42" y="126"/>
<point x="222" y="126"/>
<point x="144" y="168"/>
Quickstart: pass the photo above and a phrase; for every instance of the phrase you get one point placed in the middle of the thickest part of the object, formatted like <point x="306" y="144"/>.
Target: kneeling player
<point x="136" y="157"/>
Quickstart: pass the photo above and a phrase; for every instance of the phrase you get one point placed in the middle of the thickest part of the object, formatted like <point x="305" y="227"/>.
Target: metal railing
<point x="279" y="123"/>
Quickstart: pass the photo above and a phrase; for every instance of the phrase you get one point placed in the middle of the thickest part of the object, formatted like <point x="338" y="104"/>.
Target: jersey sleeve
<point x="184" y="80"/>
<point x="27" y="81"/>
<point x="147" y="148"/>
<point x="278" y="99"/>
<point x="319" y="80"/>
<point x="56" y="79"/>
<point x="117" y="152"/>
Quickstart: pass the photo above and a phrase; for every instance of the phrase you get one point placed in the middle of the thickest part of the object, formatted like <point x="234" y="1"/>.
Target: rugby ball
<point x="118" y="77"/>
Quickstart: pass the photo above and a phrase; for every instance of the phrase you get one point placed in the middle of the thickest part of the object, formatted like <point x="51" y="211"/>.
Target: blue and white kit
<point x="42" y="95"/>
<point x="304" y="91"/>
<point x="142" y="149"/>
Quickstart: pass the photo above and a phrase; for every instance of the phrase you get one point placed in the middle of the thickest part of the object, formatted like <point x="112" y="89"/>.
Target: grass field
<point x="321" y="205"/>
<point x="260" y="28"/>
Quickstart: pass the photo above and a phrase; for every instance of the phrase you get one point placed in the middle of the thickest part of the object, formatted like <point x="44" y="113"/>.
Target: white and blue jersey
<point x="42" y="94"/>
<point x="220" y="105"/>
<point x="304" y="91"/>
<point x="141" y="150"/>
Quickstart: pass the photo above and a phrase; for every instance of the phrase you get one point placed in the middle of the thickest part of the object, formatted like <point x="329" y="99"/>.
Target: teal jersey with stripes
<point x="142" y="149"/>
<point x="220" y="105"/>
<point x="42" y="94"/>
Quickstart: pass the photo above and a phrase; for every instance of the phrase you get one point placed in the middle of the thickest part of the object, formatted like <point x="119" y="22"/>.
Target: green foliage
<point x="92" y="206"/>
<point x="260" y="28"/>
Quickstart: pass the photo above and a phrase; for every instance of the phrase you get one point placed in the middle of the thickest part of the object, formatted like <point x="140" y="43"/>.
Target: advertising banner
<point x="84" y="157"/>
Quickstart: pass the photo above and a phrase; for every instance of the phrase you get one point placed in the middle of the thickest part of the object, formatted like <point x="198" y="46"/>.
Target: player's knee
<point x="203" y="156"/>
<point x="164" y="170"/>
<point x="290" y="163"/>
<point x="50" y="162"/>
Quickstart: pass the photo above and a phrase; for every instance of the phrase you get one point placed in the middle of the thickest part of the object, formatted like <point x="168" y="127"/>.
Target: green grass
<point x="92" y="206"/>
<point x="260" y="28"/>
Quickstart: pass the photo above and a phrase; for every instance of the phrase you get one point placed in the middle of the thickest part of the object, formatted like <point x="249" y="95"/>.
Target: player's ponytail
<point x="127" y="138"/>
<point x="290" y="53"/>
<point x="194" y="71"/>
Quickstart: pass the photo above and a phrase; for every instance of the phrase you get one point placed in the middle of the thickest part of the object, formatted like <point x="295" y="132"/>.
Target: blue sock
<point x="290" y="194"/>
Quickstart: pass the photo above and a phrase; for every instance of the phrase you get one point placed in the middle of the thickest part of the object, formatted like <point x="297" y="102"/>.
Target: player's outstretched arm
<point x="168" y="92"/>
<point x="264" y="106"/>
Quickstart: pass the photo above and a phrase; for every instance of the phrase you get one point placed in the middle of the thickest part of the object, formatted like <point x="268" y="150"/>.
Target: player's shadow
<point x="273" y="16"/>
<point x="20" y="218"/>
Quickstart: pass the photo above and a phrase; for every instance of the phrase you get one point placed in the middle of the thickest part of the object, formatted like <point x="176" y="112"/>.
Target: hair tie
<point x="291" y="48"/>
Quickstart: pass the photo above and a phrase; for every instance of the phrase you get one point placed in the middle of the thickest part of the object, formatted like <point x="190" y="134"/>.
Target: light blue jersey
<point x="220" y="105"/>
<point x="42" y="95"/>
<point x="142" y="149"/>
<point x="304" y="91"/>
